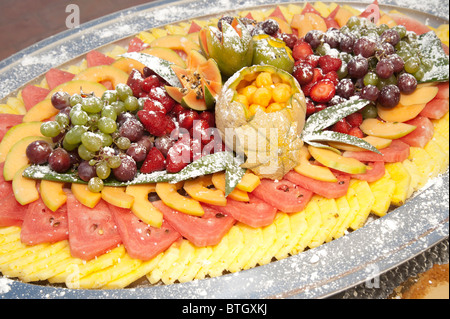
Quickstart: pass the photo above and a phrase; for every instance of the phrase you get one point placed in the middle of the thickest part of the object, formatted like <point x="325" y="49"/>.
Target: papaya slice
<point x="201" y="83"/>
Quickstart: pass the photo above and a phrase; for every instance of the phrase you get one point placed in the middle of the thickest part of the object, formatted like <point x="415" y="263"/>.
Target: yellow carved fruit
<point x="197" y="189"/>
<point x="142" y="207"/>
<point x="170" y="196"/>
<point x="85" y="196"/>
<point x="52" y="194"/>
<point x="116" y="196"/>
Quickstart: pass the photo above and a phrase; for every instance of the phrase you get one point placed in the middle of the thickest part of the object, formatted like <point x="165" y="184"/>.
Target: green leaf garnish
<point x="314" y="131"/>
<point x="430" y="46"/>
<point x="208" y="164"/>
<point x="159" y="66"/>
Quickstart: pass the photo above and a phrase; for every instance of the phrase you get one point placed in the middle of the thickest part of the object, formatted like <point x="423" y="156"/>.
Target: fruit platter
<point x="274" y="149"/>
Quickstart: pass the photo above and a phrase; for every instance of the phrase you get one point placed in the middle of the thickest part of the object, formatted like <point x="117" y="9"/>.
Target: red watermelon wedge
<point x="283" y="194"/>
<point x="374" y="172"/>
<point x="32" y="94"/>
<point x="422" y="134"/>
<point x="141" y="240"/>
<point x="435" y="109"/>
<point x="7" y="121"/>
<point x="57" y="77"/>
<point x="96" y="58"/>
<point x="255" y="213"/>
<point x="42" y="225"/>
<point x="409" y="23"/>
<point x="206" y="230"/>
<point x="194" y="27"/>
<point x="398" y="151"/>
<point x="11" y="212"/>
<point x="92" y="231"/>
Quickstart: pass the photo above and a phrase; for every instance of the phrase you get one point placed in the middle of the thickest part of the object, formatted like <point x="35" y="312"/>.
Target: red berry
<point x="323" y="91"/>
<point x="150" y="82"/>
<point x="310" y="106"/>
<point x="356" y="131"/>
<point x="327" y="63"/>
<point x="187" y="117"/>
<point x="154" y="106"/>
<point x="209" y="117"/>
<point x="312" y="60"/>
<point x="154" y="161"/>
<point x="341" y="126"/>
<point x="318" y="75"/>
<point x="332" y="76"/>
<point x="301" y="50"/>
<point x="178" y="109"/>
<point x="200" y="131"/>
<point x="355" y="119"/>
<point x="303" y="72"/>
<point x="320" y="107"/>
<point x="307" y="88"/>
<point x="179" y="155"/>
<point x="155" y="123"/>
<point x="158" y="93"/>
<point x="135" y="80"/>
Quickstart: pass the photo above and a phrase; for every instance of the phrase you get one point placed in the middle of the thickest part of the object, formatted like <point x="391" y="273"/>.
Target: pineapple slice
<point x="353" y="204"/>
<point x="439" y="157"/>
<point x="382" y="190"/>
<point x="169" y="257"/>
<point x="283" y="229"/>
<point x="298" y="228"/>
<point x="365" y="199"/>
<point x="235" y="245"/>
<point x="171" y="274"/>
<point x="330" y="214"/>
<point x="269" y="234"/>
<point x="314" y="220"/>
<point x="402" y="179"/>
<point x="413" y="171"/>
<point x="343" y="211"/>
<point x="201" y="254"/>
<point x="424" y="163"/>
<point x="442" y="142"/>
<point x="252" y="237"/>
<point x="218" y="251"/>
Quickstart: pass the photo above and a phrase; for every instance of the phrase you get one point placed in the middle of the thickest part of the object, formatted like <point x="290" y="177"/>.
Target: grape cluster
<point x="100" y="136"/>
<point x="382" y="62"/>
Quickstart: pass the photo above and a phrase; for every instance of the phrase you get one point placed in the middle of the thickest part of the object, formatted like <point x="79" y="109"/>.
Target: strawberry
<point x="301" y="50"/>
<point x="135" y="80"/>
<point x="323" y="91"/>
<point x="158" y="93"/>
<point x="179" y="155"/>
<point x="356" y="131"/>
<point x="154" y="106"/>
<point x="341" y="126"/>
<point x="209" y="117"/>
<point x="154" y="122"/>
<point x="303" y="72"/>
<point x="327" y="63"/>
<point x="332" y="76"/>
<point x="355" y="119"/>
<point x="154" y="161"/>
<point x="150" y="82"/>
<point x="310" y="106"/>
<point x="312" y="60"/>
<point x="317" y="75"/>
<point x="200" y="131"/>
<point x="187" y="117"/>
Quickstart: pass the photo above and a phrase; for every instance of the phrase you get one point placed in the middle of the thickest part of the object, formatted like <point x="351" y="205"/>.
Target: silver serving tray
<point x="358" y="257"/>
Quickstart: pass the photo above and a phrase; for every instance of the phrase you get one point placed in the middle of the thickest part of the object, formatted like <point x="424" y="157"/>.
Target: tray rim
<point x="426" y="237"/>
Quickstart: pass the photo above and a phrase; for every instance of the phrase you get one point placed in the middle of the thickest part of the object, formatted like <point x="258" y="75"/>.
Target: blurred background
<point x="25" y="22"/>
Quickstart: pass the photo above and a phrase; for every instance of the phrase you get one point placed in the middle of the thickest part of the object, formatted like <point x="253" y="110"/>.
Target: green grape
<point x="381" y="28"/>
<point x="412" y="65"/>
<point x="107" y="139"/>
<point x="427" y="64"/>
<point x="92" y="104"/>
<point x="62" y="119"/>
<point x="107" y="125"/>
<point x="95" y="185"/>
<point x="85" y="153"/>
<point x="109" y="96"/>
<point x="353" y="21"/>
<point x="93" y="142"/>
<point x="371" y="78"/>
<point x="123" y="143"/>
<point x="123" y="91"/>
<point x="79" y="117"/>
<point x="110" y="112"/>
<point x="50" y="129"/>
<point x="369" y="111"/>
<point x="75" y="99"/>
<point x="119" y="106"/>
<point x="67" y="146"/>
<point x="103" y="170"/>
<point x="114" y="161"/>
<point x="420" y="73"/>
<point x="131" y="103"/>
<point x="73" y="136"/>
<point x="401" y="30"/>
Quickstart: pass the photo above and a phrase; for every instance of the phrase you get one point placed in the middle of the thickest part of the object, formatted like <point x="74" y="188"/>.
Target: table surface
<point x="26" y="22"/>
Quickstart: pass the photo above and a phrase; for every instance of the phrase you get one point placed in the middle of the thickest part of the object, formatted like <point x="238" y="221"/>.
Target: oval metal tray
<point x="358" y="257"/>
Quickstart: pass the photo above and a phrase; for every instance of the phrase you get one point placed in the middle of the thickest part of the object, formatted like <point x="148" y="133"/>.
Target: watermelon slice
<point x="255" y="213"/>
<point x="11" y="212"/>
<point x="194" y="27"/>
<point x="57" y="77"/>
<point x="92" y="231"/>
<point x="42" y="225"/>
<point x="141" y="240"/>
<point x="278" y="14"/>
<point x="375" y="171"/>
<point x="32" y="94"/>
<point x="5" y="186"/>
<point x="435" y="109"/>
<point x="398" y="151"/>
<point x="310" y="9"/>
<point x="136" y="45"/>
<point x="201" y="231"/>
<point x="325" y="189"/>
<point x="409" y="23"/>
<point x="422" y="134"/>
<point x="96" y="58"/>
<point x="284" y="195"/>
<point x="7" y="121"/>
<point x="443" y="91"/>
